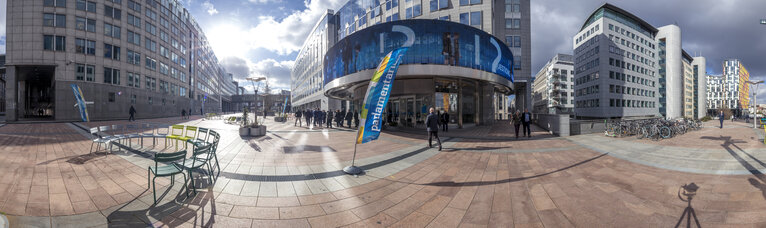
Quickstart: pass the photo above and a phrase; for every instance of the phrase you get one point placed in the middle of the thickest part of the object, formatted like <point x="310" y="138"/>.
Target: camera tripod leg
<point x="682" y="217"/>
<point x="695" y="217"/>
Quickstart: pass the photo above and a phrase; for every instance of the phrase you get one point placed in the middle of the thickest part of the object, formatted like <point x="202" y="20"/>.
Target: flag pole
<point x="353" y="170"/>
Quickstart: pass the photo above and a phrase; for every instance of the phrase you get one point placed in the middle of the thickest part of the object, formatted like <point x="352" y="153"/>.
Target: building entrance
<point x="36" y="92"/>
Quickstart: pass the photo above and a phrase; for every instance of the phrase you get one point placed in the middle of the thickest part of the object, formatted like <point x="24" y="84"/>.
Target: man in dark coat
<point x="132" y="113"/>
<point x="298" y="115"/>
<point x="720" y="118"/>
<point x="328" y="122"/>
<point x="308" y="117"/>
<point x="432" y="126"/>
<point x="356" y="119"/>
<point x="349" y="116"/>
<point x="339" y="118"/>
<point x="526" y="119"/>
<point x="445" y="121"/>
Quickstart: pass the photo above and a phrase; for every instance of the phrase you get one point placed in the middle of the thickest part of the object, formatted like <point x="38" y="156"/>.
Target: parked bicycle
<point x="654" y="129"/>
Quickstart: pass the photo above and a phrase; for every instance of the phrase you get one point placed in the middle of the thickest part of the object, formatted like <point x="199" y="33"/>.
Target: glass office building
<point x="149" y="54"/>
<point x="507" y="20"/>
<point x="450" y="66"/>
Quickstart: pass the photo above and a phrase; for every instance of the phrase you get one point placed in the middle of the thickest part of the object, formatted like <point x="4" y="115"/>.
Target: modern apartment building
<point x="148" y="54"/>
<point x="553" y="91"/>
<point x="508" y="20"/>
<point x="625" y="67"/>
<point x="729" y="90"/>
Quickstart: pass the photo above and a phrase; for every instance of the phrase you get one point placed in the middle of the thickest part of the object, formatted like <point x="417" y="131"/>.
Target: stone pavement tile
<point x="29" y="221"/>
<point x="300" y="212"/>
<point x="250" y="188"/>
<point x="222" y="221"/>
<point x="292" y="223"/>
<point x="285" y="189"/>
<point x="434" y="206"/>
<point x="92" y="219"/>
<point x="554" y="218"/>
<point x="316" y="198"/>
<point x="463" y="198"/>
<point x="237" y="200"/>
<point x="479" y="211"/>
<point x="60" y="204"/>
<point x="278" y="201"/>
<point x="414" y="219"/>
<point x="748" y="217"/>
<point x="379" y="220"/>
<point x="38" y="209"/>
<point x="234" y="187"/>
<point x="268" y="189"/>
<point x="84" y="206"/>
<point x="449" y="217"/>
<point x="372" y="208"/>
<point x="255" y="212"/>
<point x="342" y="205"/>
<point x="334" y="220"/>
<point x="523" y="208"/>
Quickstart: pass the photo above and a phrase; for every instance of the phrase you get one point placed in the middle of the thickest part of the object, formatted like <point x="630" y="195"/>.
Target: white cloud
<point x="277" y="72"/>
<point x="287" y="36"/>
<point x="3" y="5"/>
<point x="209" y="8"/>
<point x="264" y="1"/>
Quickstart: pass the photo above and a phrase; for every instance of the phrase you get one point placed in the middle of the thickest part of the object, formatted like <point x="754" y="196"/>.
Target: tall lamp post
<point x="253" y="80"/>
<point x="755" y="98"/>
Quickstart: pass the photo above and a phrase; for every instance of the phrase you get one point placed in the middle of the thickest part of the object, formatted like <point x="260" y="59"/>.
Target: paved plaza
<point x="483" y="177"/>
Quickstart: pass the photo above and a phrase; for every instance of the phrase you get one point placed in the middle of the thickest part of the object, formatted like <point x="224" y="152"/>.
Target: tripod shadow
<point x="689" y="191"/>
<point x="174" y="213"/>
<point x="727" y="143"/>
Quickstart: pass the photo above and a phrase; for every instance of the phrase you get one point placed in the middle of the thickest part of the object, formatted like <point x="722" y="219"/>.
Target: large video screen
<point x="429" y="42"/>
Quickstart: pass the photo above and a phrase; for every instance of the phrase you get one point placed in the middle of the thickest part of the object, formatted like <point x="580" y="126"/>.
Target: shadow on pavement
<point x="481" y="183"/>
<point x="172" y="214"/>
<point x="727" y="143"/>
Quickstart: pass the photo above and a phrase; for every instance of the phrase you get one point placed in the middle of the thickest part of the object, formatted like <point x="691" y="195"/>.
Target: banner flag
<point x="80" y="103"/>
<point x="377" y="96"/>
<point x="284" y="107"/>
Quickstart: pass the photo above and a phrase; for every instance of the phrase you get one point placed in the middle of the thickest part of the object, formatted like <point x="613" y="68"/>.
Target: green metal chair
<point x="213" y="154"/>
<point x="176" y="133"/>
<point x="166" y="170"/>
<point x="200" y="156"/>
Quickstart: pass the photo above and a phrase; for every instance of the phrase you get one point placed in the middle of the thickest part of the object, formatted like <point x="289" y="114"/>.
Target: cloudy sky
<point x="262" y="37"/>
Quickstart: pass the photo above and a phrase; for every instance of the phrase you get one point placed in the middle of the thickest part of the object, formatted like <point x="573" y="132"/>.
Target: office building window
<point x="134" y="38"/>
<point x="151" y="14"/>
<point x="83" y="46"/>
<point x="512" y="23"/>
<point x="134" y="6"/>
<point x="79" y="72"/>
<point x="464" y="18"/>
<point x="54" y="3"/>
<point x="112" y="12"/>
<point x="476" y="19"/>
<point x="112" y="30"/>
<point x="133" y="20"/>
<point x="150" y="44"/>
<point x="111" y="76"/>
<point x="434" y="5"/>
<point x="134" y="57"/>
<point x="54" y="43"/>
<point x="150" y="28"/>
<point x="54" y="20"/>
<point x="86" y="6"/>
<point x="151" y="63"/>
<point x="111" y="51"/>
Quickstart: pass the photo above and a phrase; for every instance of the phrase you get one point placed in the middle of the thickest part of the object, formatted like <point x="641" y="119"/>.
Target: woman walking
<point x="517" y="122"/>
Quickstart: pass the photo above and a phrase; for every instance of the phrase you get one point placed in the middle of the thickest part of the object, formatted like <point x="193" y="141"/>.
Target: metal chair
<point x="176" y="133"/>
<point x="214" y="152"/>
<point x="162" y="131"/>
<point x="143" y="133"/>
<point x="98" y="140"/>
<point x="131" y="132"/>
<point x="200" y="156"/>
<point x="166" y="170"/>
<point x="118" y="133"/>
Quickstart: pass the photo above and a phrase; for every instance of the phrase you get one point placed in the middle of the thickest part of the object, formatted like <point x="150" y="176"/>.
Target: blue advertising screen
<point x="429" y="42"/>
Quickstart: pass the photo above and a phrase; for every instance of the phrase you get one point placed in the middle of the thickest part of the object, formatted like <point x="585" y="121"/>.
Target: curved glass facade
<point x="430" y="42"/>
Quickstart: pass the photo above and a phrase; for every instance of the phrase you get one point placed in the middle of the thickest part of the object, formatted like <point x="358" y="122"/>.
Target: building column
<point x="459" y="104"/>
<point x="11" y="94"/>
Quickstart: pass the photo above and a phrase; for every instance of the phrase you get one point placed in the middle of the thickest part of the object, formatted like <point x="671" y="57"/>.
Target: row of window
<point x="587" y="90"/>
<point x="588" y="65"/>
<point x="632" y="67"/>
<point x="85" y="72"/>
<point x="630" y="103"/>
<point x="632" y="46"/>
<point x="630" y="91"/>
<point x="587" y="33"/>
<point x="633" y="36"/>
<point x="587" y="54"/>
<point x="630" y="78"/>
<point x="591" y="103"/>
<point x="585" y="45"/>
<point x="587" y="78"/>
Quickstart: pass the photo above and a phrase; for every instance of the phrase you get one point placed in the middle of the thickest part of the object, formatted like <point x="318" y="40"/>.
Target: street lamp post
<point x="755" y="100"/>
<point x="253" y="80"/>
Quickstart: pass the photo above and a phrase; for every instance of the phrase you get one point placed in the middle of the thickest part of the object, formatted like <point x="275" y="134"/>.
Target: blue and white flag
<point x="80" y="103"/>
<point x="377" y="96"/>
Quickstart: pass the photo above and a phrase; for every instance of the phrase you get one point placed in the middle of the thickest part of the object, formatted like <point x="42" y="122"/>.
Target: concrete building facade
<point x="148" y="54"/>
<point x="729" y="90"/>
<point x="553" y="91"/>
<point x="506" y="19"/>
<point x="626" y="67"/>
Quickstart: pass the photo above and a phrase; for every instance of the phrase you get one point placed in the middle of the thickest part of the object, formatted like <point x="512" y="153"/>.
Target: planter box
<point x="243" y="131"/>
<point x="280" y="119"/>
<point x="258" y="131"/>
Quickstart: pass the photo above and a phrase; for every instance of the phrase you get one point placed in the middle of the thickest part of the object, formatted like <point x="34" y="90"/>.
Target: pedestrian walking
<point x="517" y="122"/>
<point x="349" y="116"/>
<point x="183" y="114"/>
<point x="432" y="126"/>
<point x="298" y="115"/>
<point x="720" y="118"/>
<point x="190" y="113"/>
<point x="132" y="113"/>
<point x="328" y="121"/>
<point x="356" y="119"/>
<point x="339" y="118"/>
<point x="307" y="115"/>
<point x="445" y="121"/>
<point x="526" y="119"/>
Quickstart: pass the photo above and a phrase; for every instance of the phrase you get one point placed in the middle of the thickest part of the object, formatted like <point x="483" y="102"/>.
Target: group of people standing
<point x="319" y="118"/>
